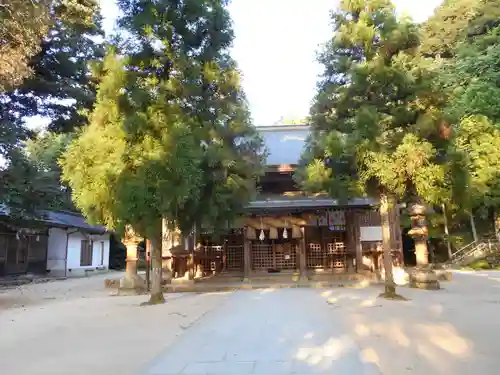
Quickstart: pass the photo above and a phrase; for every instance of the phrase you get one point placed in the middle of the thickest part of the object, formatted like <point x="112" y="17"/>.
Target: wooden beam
<point x="256" y="223"/>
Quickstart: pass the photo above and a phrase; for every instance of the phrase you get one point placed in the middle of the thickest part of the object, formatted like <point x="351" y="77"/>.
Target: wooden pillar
<point x="190" y="265"/>
<point x="246" y="259"/>
<point x="302" y="255"/>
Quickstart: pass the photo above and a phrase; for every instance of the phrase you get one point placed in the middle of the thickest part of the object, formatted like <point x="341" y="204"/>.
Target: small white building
<point x="75" y="248"/>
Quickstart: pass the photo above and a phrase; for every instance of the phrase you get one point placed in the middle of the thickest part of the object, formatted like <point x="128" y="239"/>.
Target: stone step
<point x="228" y="287"/>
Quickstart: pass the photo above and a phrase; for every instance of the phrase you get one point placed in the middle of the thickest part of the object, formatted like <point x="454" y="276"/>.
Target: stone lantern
<point x="131" y="283"/>
<point x="422" y="276"/>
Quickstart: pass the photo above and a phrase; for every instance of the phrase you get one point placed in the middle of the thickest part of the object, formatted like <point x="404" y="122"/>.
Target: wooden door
<point x="17" y="255"/>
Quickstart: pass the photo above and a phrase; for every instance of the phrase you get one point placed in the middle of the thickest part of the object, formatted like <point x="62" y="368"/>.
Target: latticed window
<point x="286" y="256"/>
<point x="326" y="249"/>
<point x="234" y="257"/>
<point x="262" y="256"/>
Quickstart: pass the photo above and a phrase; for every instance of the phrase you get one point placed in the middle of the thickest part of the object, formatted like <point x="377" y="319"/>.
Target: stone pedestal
<point x="132" y="283"/>
<point x="424" y="278"/>
<point x="166" y="265"/>
<point x="130" y="286"/>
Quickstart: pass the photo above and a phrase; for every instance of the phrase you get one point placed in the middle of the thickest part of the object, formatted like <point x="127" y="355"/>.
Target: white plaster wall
<point x="74" y="248"/>
<point x="371" y="233"/>
<point x="56" y="251"/>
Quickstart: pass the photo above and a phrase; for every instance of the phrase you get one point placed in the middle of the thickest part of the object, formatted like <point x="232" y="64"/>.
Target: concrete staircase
<point x="474" y="251"/>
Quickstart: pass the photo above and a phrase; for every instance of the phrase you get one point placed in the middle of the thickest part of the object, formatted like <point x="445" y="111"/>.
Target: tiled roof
<point x="284" y="143"/>
<point x="62" y="219"/>
<point x="71" y="220"/>
<point x="300" y="202"/>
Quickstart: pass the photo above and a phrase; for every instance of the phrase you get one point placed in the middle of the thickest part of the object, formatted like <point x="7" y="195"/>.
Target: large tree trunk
<point x="156" y="296"/>
<point x="385" y="206"/>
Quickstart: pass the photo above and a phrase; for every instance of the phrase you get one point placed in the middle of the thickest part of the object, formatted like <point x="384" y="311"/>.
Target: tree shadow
<point x="434" y="333"/>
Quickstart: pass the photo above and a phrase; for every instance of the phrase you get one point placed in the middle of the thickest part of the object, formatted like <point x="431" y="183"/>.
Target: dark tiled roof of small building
<point x="70" y="220"/>
<point x="284" y="143"/>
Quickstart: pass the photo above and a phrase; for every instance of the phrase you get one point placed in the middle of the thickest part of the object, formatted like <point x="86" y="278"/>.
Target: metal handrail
<point x="465" y="248"/>
<point x="490" y="246"/>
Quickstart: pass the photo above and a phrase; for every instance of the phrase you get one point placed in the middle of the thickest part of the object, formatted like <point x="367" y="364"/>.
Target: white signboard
<point x="370" y="233"/>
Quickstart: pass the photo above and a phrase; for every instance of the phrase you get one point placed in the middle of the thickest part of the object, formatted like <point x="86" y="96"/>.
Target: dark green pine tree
<point x="376" y="118"/>
<point x="61" y="87"/>
<point x="175" y="137"/>
<point x="191" y="39"/>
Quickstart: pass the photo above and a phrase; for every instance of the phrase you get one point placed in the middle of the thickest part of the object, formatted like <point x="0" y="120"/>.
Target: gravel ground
<point x="75" y="327"/>
<point x="45" y="292"/>
<point x="451" y="331"/>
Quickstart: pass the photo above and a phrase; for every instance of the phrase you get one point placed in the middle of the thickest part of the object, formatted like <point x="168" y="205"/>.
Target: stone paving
<point x="75" y="327"/>
<point x="266" y="332"/>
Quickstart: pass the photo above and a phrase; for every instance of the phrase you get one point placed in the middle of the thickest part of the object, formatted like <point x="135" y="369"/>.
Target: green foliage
<point x="170" y="135"/>
<point x="481" y="264"/>
<point x="119" y="176"/>
<point x="187" y="45"/>
<point x="472" y="77"/>
<point x="60" y="86"/>
<point x="454" y="22"/>
<point x="22" y="25"/>
<point x="377" y="110"/>
<point x="31" y="180"/>
<point x="479" y="141"/>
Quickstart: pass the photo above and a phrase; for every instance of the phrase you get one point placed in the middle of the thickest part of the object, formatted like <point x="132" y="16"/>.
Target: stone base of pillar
<point x="424" y="278"/>
<point x="130" y="286"/>
<point x="246" y="280"/>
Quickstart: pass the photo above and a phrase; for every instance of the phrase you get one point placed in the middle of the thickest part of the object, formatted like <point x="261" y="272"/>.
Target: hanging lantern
<point x="285" y="234"/>
<point x="273" y="233"/>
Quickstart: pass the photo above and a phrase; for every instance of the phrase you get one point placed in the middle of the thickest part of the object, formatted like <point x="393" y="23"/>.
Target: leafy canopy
<point x="171" y="134"/>
<point x="22" y="26"/>
<point x="121" y="175"/>
<point x="377" y="117"/>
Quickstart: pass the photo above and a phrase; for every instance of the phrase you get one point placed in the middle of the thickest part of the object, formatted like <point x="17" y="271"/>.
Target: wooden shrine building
<point x="286" y="230"/>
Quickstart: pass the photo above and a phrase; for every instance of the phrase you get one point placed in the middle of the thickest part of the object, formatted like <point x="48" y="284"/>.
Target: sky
<point x="275" y="47"/>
